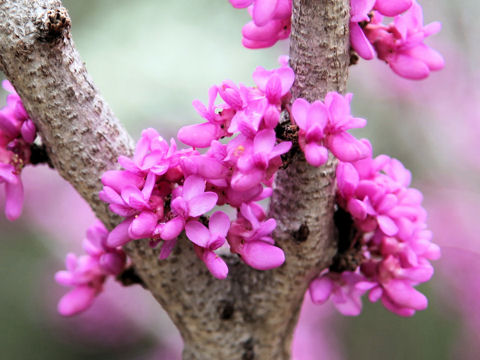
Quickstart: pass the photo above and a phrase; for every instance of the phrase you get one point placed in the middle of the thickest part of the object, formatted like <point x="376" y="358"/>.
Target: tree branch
<point x="251" y="314"/>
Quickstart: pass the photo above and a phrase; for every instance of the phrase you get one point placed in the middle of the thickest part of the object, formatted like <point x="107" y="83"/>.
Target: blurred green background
<point x="150" y="59"/>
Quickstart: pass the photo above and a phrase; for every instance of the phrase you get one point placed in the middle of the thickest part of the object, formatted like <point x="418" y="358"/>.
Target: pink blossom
<point x="87" y="273"/>
<point x="345" y="290"/>
<point x="208" y="240"/>
<point x="270" y="22"/>
<point x="191" y="200"/>
<point x="249" y="237"/>
<point x="324" y="124"/>
<point x="17" y="132"/>
<point x="400" y="44"/>
<point x="394" y="241"/>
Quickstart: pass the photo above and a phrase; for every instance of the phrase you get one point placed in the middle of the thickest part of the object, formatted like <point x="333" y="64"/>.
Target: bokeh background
<point x="150" y="59"/>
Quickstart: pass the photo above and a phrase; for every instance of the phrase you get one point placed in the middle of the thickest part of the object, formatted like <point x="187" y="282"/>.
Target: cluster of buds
<point x="324" y="125"/>
<point x="17" y="133"/>
<point x="87" y="273"/>
<point x="390" y="238"/>
<point x="400" y="44"/>
<point x="163" y="191"/>
<point x="271" y="22"/>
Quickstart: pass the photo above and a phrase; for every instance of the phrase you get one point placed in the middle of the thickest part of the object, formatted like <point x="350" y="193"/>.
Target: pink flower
<point x="13" y="191"/>
<point x="208" y="240"/>
<point x="345" y="290"/>
<point x="249" y="237"/>
<point x="191" y="200"/>
<point x="325" y="125"/>
<point x="17" y="132"/>
<point x="87" y="273"/>
<point x="400" y="44"/>
<point x="257" y="160"/>
<point x="312" y="120"/>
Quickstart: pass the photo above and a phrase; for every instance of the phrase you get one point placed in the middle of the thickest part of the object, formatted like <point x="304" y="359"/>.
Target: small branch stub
<point x="53" y="24"/>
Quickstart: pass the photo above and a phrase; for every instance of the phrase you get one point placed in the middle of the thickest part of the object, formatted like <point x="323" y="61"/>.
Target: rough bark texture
<point x="252" y="314"/>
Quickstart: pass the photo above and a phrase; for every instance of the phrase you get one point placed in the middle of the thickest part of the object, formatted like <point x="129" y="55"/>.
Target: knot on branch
<point x="53" y="24"/>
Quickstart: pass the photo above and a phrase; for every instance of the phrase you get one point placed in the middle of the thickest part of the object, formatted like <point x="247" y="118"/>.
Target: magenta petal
<point x="387" y="225"/>
<point x="394" y="308"/>
<point x="360" y="43"/>
<point x="409" y="68"/>
<point x="347" y="179"/>
<point x="429" y="56"/>
<point x="263" y="11"/>
<point x="29" y="131"/>
<point x="134" y="197"/>
<point x="193" y="186"/>
<point x="357" y="209"/>
<point x="202" y="204"/>
<point x="172" y="229"/>
<point x="245" y="181"/>
<point x="7" y="173"/>
<point x="262" y="256"/>
<point x="197" y="233"/>
<point x="219" y="223"/>
<point x="264" y="141"/>
<point x="347" y="148"/>
<point x="143" y="225"/>
<point x="215" y="264"/>
<point x="316" y="155"/>
<point x="240" y="4"/>
<point x="14" y="199"/>
<point x="317" y="115"/>
<point x="299" y="112"/>
<point x="119" y="236"/>
<point x="392" y="7"/>
<point x="287" y="77"/>
<point x="119" y="179"/>
<point x="349" y="305"/>
<point x="64" y="278"/>
<point x="76" y="300"/>
<point x="167" y="248"/>
<point x="198" y="135"/>
<point x="404" y="295"/>
<point x="320" y="289"/>
<point x="359" y="9"/>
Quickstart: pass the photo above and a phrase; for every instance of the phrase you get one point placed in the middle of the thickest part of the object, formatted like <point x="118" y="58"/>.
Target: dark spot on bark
<point x="226" y="309"/>
<point x="249" y="353"/>
<point x="130" y="277"/>
<point x="53" y="24"/>
<point x="353" y="57"/>
<point x="39" y="155"/>
<point x="349" y="255"/>
<point x="302" y="233"/>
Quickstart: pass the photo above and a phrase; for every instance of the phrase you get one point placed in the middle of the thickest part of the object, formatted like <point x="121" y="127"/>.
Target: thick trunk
<point x="251" y="314"/>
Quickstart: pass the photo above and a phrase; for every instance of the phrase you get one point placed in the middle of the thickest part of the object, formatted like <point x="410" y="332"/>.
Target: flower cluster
<point x="163" y="190"/>
<point x="271" y="21"/>
<point x="391" y="238"/>
<point x="87" y="273"/>
<point x="324" y="125"/>
<point x="400" y="44"/>
<point x="17" y="133"/>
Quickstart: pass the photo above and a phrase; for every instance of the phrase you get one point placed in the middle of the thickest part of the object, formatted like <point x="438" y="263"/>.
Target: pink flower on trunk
<point x="250" y="237"/>
<point x="400" y="44"/>
<point x="345" y="290"/>
<point x="324" y="125"/>
<point x="207" y="240"/>
<point x="87" y="273"/>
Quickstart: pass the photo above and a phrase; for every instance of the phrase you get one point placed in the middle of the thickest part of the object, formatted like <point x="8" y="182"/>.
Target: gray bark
<point x="251" y="314"/>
